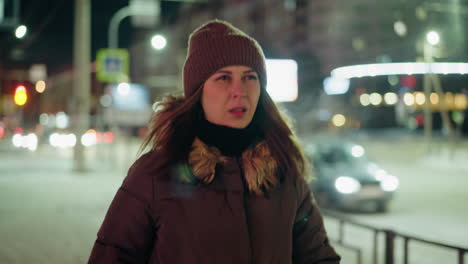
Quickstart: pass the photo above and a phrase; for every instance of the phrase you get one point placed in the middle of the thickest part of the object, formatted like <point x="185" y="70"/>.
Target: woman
<point x="224" y="179"/>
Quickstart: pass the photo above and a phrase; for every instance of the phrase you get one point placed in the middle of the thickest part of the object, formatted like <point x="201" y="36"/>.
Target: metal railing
<point x="389" y="245"/>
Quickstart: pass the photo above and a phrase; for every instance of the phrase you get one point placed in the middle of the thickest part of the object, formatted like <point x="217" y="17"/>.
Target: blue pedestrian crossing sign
<point x="112" y="65"/>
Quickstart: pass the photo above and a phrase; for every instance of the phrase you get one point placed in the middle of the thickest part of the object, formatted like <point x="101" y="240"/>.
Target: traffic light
<point x="21" y="95"/>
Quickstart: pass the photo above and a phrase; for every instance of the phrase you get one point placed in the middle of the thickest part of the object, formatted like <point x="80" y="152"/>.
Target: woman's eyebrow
<point x="230" y="72"/>
<point x="223" y="71"/>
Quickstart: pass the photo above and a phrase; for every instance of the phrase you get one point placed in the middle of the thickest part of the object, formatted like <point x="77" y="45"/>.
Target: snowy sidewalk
<point x="48" y="214"/>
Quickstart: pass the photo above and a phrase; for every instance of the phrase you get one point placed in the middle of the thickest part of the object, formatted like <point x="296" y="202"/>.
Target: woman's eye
<point x="223" y="78"/>
<point x="252" y="77"/>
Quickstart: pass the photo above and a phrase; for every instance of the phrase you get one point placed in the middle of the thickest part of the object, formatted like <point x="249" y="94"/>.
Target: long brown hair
<point x="281" y="140"/>
<point x="172" y="127"/>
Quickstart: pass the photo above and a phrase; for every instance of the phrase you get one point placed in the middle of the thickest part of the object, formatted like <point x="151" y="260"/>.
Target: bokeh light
<point x="40" y="86"/>
<point x="339" y="120"/>
<point x="408" y="98"/>
<point x="364" y="99"/>
<point x="375" y="99"/>
<point x="391" y="98"/>
<point x="158" y="42"/>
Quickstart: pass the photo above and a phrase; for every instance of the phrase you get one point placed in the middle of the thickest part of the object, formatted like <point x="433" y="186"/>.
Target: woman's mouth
<point x="238" y="111"/>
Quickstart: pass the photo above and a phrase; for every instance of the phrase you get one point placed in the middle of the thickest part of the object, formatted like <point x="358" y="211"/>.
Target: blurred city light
<point x="333" y="85"/>
<point x="40" y="86"/>
<point x="158" y="42"/>
<point x="391" y="98"/>
<point x="61" y="120"/>
<point x="282" y="80"/>
<point x="2" y="131"/>
<point x="449" y="99"/>
<point x="31" y="142"/>
<point x="457" y="101"/>
<point x="123" y="89"/>
<point x="28" y="142"/>
<point x="460" y="101"/>
<point x="44" y="119"/>
<point x="62" y="140"/>
<point x="433" y="37"/>
<point x="420" y="98"/>
<point x="389" y="183"/>
<point x="408" y="98"/>
<point x="21" y="31"/>
<point x="21" y="96"/>
<point x="108" y="137"/>
<point x="89" y="138"/>
<point x="375" y="99"/>
<point x="379" y="174"/>
<point x="404" y="68"/>
<point x="347" y="185"/>
<point x="17" y="140"/>
<point x="357" y="151"/>
<point x="434" y="98"/>
<point x="339" y="120"/>
<point x="400" y="28"/>
<point x="364" y="99"/>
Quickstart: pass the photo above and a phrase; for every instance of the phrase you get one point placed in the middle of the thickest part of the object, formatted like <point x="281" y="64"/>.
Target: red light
<point x="108" y="137"/>
<point x="18" y="130"/>
<point x="2" y="132"/>
<point x="408" y="81"/>
<point x="419" y="120"/>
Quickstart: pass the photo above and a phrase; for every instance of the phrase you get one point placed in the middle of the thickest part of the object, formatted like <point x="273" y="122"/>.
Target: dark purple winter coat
<point x="173" y="220"/>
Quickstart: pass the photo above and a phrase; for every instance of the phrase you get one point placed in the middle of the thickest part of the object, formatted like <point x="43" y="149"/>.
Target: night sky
<point x="50" y="32"/>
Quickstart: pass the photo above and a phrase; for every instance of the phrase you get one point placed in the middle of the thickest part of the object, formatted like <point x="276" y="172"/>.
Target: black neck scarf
<point x="230" y="141"/>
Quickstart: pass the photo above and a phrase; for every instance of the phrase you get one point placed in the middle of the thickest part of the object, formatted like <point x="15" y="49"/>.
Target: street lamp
<point x="433" y="38"/>
<point x="158" y="42"/>
<point x="20" y="31"/>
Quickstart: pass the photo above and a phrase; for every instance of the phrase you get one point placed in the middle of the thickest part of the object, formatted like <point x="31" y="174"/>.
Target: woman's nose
<point x="238" y="88"/>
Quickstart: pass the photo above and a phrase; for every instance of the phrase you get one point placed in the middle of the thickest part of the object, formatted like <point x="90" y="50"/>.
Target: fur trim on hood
<point x="260" y="168"/>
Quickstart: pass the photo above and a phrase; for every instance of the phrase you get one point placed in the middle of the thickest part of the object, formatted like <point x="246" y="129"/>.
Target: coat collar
<point x="259" y="166"/>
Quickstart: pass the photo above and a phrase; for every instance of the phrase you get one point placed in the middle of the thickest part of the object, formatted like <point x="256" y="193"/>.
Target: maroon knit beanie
<point x="218" y="44"/>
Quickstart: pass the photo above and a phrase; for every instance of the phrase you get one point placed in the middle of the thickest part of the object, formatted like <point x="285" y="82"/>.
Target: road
<point x="430" y="203"/>
<point x="49" y="214"/>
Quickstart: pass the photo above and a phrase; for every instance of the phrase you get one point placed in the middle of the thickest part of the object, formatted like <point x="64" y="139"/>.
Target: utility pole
<point x="427" y="104"/>
<point x="82" y="79"/>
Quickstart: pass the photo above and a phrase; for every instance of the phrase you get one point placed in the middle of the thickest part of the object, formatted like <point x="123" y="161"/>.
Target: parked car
<point x="344" y="177"/>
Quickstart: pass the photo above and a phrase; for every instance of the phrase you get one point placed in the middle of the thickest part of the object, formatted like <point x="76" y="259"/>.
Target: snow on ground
<point x="49" y="214"/>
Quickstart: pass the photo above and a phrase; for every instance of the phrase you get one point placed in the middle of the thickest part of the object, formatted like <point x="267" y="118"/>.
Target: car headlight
<point x="389" y="183"/>
<point x="347" y="185"/>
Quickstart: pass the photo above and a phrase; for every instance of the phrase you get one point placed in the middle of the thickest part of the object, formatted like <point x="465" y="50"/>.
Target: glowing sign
<point x="282" y="80"/>
<point x="404" y="68"/>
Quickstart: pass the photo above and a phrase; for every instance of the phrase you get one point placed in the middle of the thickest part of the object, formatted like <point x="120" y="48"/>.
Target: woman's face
<point x="230" y="96"/>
